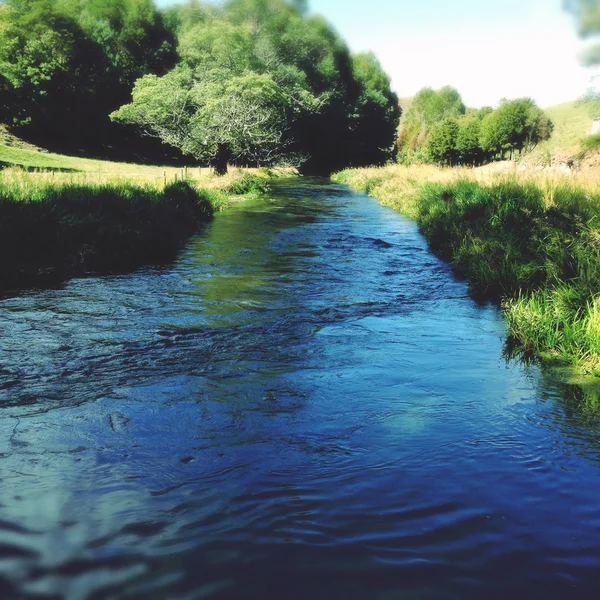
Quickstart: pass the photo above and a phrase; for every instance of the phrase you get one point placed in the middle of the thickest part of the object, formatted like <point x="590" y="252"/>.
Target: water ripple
<point x="306" y="404"/>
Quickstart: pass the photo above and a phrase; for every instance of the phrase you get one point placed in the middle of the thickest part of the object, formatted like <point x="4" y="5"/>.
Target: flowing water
<point x="306" y="405"/>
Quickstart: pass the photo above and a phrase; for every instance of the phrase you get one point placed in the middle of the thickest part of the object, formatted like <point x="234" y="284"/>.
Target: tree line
<point x="438" y="128"/>
<point x="66" y="64"/>
<point x="244" y="82"/>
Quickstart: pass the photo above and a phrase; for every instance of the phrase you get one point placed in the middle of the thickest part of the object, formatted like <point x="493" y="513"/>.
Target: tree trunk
<point x="220" y="160"/>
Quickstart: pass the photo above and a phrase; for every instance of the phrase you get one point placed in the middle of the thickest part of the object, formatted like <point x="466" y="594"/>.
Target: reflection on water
<point x="306" y="404"/>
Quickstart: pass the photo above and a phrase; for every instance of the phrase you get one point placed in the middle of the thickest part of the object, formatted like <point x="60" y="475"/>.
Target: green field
<point x="572" y="123"/>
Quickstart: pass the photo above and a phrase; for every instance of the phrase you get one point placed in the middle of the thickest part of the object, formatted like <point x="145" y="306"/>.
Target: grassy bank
<point x="530" y="242"/>
<point x="56" y="225"/>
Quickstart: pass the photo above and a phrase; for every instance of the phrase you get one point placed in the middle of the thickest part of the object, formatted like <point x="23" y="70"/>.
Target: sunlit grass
<point x="56" y="224"/>
<point x="529" y="239"/>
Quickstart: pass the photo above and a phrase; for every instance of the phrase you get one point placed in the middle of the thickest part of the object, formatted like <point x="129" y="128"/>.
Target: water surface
<point x="306" y="405"/>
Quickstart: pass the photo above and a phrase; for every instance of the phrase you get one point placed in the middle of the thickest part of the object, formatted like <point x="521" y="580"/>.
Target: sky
<point x="486" y="49"/>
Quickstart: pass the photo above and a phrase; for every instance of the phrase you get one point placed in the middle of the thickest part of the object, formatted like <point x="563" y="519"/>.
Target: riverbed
<point x="306" y="404"/>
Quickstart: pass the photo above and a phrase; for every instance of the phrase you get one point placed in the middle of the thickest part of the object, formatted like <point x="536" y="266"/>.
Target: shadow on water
<point x="305" y="404"/>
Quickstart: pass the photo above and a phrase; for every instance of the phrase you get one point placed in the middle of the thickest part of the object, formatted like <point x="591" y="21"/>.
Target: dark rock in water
<point x="118" y="422"/>
<point x="382" y="244"/>
<point x="187" y="460"/>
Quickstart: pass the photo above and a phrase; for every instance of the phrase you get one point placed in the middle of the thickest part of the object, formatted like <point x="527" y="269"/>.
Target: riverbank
<point x="57" y="225"/>
<point x="528" y="241"/>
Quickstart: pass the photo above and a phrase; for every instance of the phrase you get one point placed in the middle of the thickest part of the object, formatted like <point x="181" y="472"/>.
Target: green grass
<point x="63" y="215"/>
<point x="572" y="124"/>
<point x="542" y="262"/>
<point x="250" y="184"/>
<point x="64" y="230"/>
<point x="32" y="159"/>
<point x="532" y="246"/>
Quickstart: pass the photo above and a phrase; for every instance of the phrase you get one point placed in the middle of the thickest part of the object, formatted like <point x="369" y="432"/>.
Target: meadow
<point x="527" y="239"/>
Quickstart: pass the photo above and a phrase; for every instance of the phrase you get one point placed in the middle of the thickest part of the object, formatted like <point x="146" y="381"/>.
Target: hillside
<point x="571" y="124"/>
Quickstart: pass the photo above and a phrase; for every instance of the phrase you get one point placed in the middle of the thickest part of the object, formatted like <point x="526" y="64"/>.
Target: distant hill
<point x="572" y="123"/>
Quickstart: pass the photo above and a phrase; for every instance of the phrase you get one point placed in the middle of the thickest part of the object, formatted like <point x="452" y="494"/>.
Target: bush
<point x="249" y="184"/>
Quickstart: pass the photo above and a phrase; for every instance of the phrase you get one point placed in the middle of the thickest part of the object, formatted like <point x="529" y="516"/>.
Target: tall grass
<point x="51" y="230"/>
<point x="528" y="241"/>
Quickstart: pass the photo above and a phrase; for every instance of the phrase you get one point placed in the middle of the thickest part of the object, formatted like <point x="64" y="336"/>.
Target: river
<point x="307" y="404"/>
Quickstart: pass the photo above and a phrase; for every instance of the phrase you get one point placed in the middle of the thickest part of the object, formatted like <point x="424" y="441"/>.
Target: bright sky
<point x="486" y="49"/>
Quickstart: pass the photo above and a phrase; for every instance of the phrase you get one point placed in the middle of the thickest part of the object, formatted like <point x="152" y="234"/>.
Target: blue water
<point x="307" y="404"/>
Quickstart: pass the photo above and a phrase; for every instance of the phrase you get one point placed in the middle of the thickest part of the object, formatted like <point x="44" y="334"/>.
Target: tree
<point x="515" y="125"/>
<point x="45" y="58"/>
<point x="468" y="146"/>
<point x="216" y="119"/>
<point x="429" y="107"/>
<point x="377" y="112"/>
<point x="538" y="128"/>
<point x="441" y="144"/>
<point x="258" y="81"/>
<point x="65" y="64"/>
<point x="131" y="33"/>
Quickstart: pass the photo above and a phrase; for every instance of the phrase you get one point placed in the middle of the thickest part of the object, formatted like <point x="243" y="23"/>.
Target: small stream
<point x="307" y="404"/>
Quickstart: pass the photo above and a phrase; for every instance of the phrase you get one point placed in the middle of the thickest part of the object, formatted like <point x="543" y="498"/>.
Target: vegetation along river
<point x="307" y="404"/>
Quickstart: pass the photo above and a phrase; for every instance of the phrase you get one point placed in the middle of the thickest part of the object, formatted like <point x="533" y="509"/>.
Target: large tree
<point x="259" y="81"/>
<point x="217" y="119"/>
<point x="65" y="64"/>
<point x="428" y="108"/>
<point x="468" y="146"/>
<point x="377" y="112"/>
<point x="441" y="144"/>
<point x="515" y="125"/>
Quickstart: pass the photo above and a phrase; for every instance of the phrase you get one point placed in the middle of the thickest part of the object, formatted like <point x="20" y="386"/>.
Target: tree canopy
<point x="259" y="82"/>
<point x="438" y="128"/>
<point x="428" y="108"/>
<point x="65" y="64"/>
<point x="242" y="81"/>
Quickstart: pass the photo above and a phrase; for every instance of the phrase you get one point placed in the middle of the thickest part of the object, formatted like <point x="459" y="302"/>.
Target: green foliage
<point x="413" y="157"/>
<point x="249" y="184"/>
<point x="214" y="117"/>
<point x="431" y="121"/>
<point x="468" y="147"/>
<point x="65" y="64"/>
<point x="428" y="108"/>
<point x="535" y="250"/>
<point x="543" y="261"/>
<point x="441" y="144"/>
<point x="244" y="81"/>
<point x="515" y="125"/>
<point x="61" y="230"/>
<point x="377" y="111"/>
<point x="261" y="83"/>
